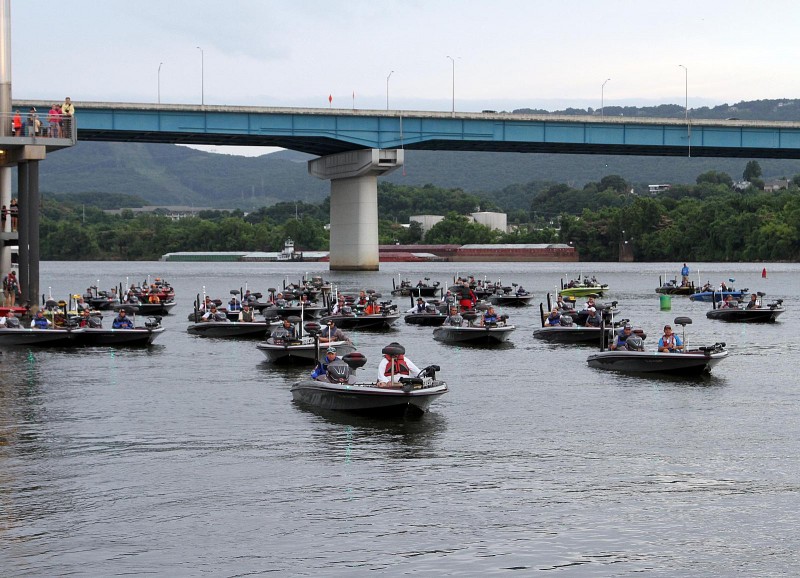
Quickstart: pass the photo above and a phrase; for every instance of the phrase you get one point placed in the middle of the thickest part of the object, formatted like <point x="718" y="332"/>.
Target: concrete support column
<point x="354" y="224"/>
<point x="22" y="227"/>
<point x="32" y="218"/>
<point x="28" y="227"/>
<point x="5" y="200"/>
<point x="354" y="204"/>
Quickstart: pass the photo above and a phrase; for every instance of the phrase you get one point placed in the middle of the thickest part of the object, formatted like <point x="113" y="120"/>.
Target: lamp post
<point x="202" y="77"/>
<point x="453" y="110"/>
<point x="602" y="97"/>
<point x="159" y="82"/>
<point x="686" y="108"/>
<point x="387" y="89"/>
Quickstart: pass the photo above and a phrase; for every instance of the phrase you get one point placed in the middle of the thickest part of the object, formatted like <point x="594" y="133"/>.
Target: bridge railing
<point x="38" y="126"/>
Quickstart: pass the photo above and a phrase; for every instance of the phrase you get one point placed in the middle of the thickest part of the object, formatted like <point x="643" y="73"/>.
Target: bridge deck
<point x="326" y="131"/>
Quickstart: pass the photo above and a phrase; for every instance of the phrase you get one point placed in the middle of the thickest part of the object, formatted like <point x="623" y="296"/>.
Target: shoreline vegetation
<point x="712" y="220"/>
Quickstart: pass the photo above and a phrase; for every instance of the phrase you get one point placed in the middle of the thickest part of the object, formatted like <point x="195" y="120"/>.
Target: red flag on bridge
<point x="330" y="100"/>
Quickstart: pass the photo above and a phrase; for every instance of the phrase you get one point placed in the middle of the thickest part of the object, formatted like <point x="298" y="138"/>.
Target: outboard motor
<point x="338" y="372"/>
<point x="566" y="320"/>
<point x="634" y="343"/>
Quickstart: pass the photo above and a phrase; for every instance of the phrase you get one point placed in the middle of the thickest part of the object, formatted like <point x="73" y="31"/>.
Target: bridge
<point x="324" y="131"/>
<point x="357" y="146"/>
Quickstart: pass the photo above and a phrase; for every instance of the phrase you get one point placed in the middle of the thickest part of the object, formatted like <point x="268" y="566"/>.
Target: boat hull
<point x="308" y="313"/>
<point x="426" y="319"/>
<point x="231" y="329"/>
<point x="689" y="363"/>
<point x="305" y="352"/>
<point x="511" y="300"/>
<point x="24" y="336"/>
<point x="668" y="290"/>
<point x="709" y="296"/>
<point x="765" y="315"/>
<point x="163" y="308"/>
<point x="583" y="291"/>
<point x="140" y="336"/>
<point x="379" y="321"/>
<point x="367" y="398"/>
<point x="573" y="334"/>
<point x="474" y="335"/>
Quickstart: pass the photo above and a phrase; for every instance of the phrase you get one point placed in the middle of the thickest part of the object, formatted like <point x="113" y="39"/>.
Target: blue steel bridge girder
<point x="328" y="131"/>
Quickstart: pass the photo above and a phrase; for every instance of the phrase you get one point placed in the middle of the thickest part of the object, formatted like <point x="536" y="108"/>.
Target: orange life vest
<point x="396" y="365"/>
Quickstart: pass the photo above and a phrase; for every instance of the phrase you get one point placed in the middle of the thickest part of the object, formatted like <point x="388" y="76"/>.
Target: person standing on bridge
<point x="16" y="124"/>
<point x="67" y="112"/>
<point x="54" y="120"/>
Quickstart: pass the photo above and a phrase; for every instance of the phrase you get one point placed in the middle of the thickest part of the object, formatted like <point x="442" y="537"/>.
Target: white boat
<point x="339" y="390"/>
<point x="490" y="334"/>
<point x="304" y="349"/>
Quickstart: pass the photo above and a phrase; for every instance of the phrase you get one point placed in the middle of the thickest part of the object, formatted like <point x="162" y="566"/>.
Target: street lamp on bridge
<point x="686" y="109"/>
<point x="387" y="89"/>
<point x="602" y="97"/>
<point x="159" y="82"/>
<point x="454" y="84"/>
<point x="686" y="86"/>
<point x="202" y="77"/>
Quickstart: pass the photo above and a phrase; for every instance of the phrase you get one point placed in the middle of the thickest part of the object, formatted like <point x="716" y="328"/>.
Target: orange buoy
<point x="764" y="273"/>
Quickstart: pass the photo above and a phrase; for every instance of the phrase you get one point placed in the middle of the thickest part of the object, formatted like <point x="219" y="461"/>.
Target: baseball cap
<point x="331" y="350"/>
<point x="628" y="326"/>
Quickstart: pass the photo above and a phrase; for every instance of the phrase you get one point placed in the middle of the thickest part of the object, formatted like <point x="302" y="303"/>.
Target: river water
<point x="190" y="457"/>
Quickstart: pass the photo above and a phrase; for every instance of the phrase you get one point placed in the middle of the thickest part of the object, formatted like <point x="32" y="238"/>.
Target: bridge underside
<point x="323" y="146"/>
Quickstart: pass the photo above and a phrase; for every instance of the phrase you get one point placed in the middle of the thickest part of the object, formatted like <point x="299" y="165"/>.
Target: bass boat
<point x="582" y="287"/>
<point x="339" y="390"/>
<point x="489" y="334"/>
<point x="280" y="347"/>
<point x="514" y="296"/>
<point x="50" y="337"/>
<point x="737" y="314"/>
<point x="687" y="362"/>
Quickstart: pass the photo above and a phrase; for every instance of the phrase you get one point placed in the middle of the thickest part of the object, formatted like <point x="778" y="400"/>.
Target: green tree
<point x="751" y="171"/>
<point x="458" y="229"/>
<point x="715" y="178"/>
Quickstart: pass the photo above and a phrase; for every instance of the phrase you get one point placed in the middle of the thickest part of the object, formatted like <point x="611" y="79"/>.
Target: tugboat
<point x="288" y="253"/>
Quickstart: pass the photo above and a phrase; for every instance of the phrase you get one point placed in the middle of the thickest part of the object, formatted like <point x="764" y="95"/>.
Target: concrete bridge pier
<point x="354" y="204"/>
<point x="28" y="228"/>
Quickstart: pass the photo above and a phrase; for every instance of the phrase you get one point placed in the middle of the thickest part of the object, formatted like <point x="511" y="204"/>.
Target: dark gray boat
<point x="685" y="363"/>
<point x="735" y="313"/>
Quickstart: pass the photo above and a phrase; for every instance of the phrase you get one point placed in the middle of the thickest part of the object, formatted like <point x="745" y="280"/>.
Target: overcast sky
<point x="508" y="53"/>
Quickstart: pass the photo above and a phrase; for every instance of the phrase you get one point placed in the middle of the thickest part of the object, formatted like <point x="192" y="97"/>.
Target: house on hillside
<point x="776" y="185"/>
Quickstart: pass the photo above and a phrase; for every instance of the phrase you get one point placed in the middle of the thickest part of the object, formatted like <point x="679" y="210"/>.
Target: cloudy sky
<point x="507" y="53"/>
